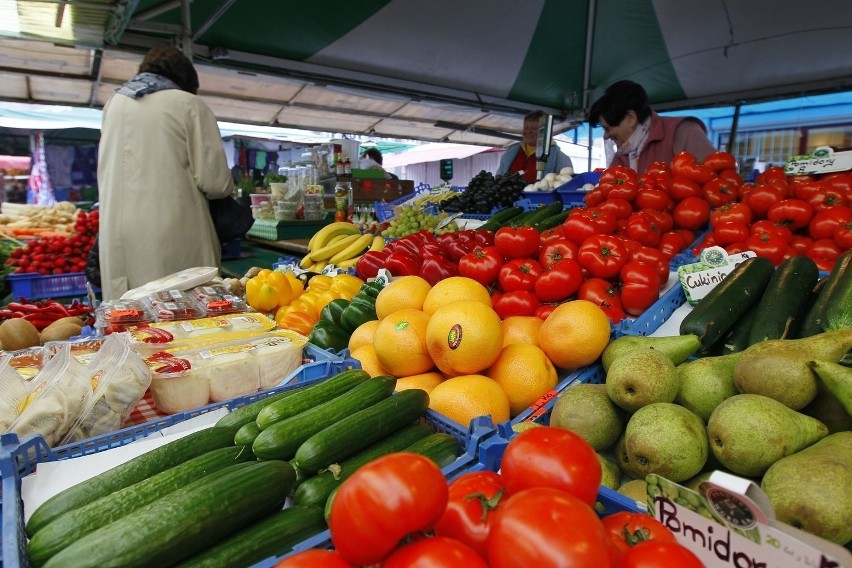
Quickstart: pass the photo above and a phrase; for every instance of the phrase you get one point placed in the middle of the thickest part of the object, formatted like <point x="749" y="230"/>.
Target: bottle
<point x="347" y="167"/>
<point x="341" y="200"/>
<point x="340" y="167"/>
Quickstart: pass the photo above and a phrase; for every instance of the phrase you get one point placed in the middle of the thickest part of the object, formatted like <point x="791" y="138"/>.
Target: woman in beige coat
<point x="160" y="159"/>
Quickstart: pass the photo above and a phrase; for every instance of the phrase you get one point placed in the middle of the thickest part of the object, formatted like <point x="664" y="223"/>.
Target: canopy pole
<point x="587" y="71"/>
<point x="186" y="24"/>
<point x="732" y="138"/>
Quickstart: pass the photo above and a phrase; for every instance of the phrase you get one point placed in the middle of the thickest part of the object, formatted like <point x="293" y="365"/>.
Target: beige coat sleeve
<point x="207" y="159"/>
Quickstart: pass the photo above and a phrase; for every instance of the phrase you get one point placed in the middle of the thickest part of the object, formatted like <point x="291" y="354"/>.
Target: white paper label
<point x="822" y="160"/>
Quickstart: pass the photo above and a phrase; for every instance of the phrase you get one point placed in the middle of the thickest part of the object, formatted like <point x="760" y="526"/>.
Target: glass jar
<point x="342" y="192"/>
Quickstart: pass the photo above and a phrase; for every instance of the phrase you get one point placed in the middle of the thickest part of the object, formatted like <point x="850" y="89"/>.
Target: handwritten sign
<point x="822" y="160"/>
<point x="713" y="266"/>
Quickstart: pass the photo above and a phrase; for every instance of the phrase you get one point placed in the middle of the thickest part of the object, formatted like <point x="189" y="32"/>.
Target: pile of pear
<point x="778" y="413"/>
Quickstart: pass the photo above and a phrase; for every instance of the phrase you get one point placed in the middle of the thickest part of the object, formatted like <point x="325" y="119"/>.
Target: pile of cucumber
<point x="215" y="497"/>
<point x="542" y="218"/>
<point x="757" y="302"/>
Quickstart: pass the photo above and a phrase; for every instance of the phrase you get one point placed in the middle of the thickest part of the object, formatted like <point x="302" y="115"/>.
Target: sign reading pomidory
<point x="822" y="160"/>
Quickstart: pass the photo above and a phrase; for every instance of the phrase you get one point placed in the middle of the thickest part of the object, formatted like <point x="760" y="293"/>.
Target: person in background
<point x="371" y="158"/>
<point x="520" y="156"/>
<point x="160" y="160"/>
<point x="641" y="135"/>
<point x="3" y="196"/>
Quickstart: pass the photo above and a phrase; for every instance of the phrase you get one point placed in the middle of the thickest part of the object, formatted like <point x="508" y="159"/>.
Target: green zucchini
<point x="552" y="221"/>
<point x="838" y="309"/>
<point x="282" y="439"/>
<point x="185" y="521"/>
<point x="311" y="397"/>
<point x="246" y="434"/>
<point x="357" y="431"/>
<point x="719" y="310"/>
<point x="736" y="339"/>
<point x="65" y="529"/>
<point x="315" y="491"/>
<point x="130" y="472"/>
<point x="782" y="305"/>
<point x="814" y="321"/>
<point x="243" y="415"/>
<point x="443" y="449"/>
<point x="541" y="213"/>
<point x="502" y="217"/>
<point x="274" y="535"/>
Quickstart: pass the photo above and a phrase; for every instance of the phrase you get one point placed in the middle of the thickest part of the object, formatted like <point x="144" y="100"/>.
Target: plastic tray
<point x="319" y="354"/>
<point x="570" y="192"/>
<point x="386" y="210"/>
<point x="542" y="197"/>
<point x="34" y="286"/>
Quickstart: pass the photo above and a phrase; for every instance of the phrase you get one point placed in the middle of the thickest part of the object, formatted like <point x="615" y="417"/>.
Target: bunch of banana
<point x="337" y="243"/>
<point x="376" y="242"/>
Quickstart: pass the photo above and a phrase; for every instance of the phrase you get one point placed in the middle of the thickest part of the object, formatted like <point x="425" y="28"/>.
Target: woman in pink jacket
<point x="641" y="135"/>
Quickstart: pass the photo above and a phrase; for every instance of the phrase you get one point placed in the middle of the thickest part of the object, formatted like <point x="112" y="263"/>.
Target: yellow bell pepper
<point x="319" y="283"/>
<point x="306" y="303"/>
<point x="261" y="295"/>
<point x="346" y="285"/>
<point x="295" y="284"/>
<point x="285" y="291"/>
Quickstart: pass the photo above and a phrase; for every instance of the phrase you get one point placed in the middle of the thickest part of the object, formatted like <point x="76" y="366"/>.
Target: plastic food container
<point x="259" y="198"/>
<point x="120" y="315"/>
<point x="263" y="211"/>
<point x="217" y="300"/>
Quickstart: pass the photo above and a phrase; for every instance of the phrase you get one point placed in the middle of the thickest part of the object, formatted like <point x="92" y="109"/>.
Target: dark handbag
<point x="231" y="219"/>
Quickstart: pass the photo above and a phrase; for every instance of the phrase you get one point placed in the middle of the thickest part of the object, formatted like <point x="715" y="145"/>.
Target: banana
<point x="306" y="262"/>
<point x="321" y="238"/>
<point x="378" y="243"/>
<point x="349" y="262"/>
<point x="329" y="251"/>
<point x="355" y="247"/>
<point x="336" y="238"/>
<point x="319" y="266"/>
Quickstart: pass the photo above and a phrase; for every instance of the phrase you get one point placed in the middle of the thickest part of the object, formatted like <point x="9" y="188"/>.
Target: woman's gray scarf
<point x="145" y="84"/>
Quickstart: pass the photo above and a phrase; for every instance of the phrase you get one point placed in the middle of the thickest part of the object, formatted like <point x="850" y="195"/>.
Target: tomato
<point x="843" y="236"/>
<point x="732" y="176"/>
<point x="718" y="161"/>
<point x="730" y="232"/>
<point x="515" y="303"/>
<point x="627" y="529"/>
<point x="517" y="242"/>
<point x="544" y="310"/>
<point x="640" y="286"/>
<point x="653" y="199"/>
<point x="594" y="197"/>
<point x="768" y="245"/>
<point x="793" y="213"/>
<point x="626" y="190"/>
<point x="824" y="249"/>
<point x="602" y="255"/>
<point x="551" y="235"/>
<point x="662" y="219"/>
<point x="551" y="457"/>
<point x="654" y="257"/>
<point x="736" y="212"/>
<point x="765" y="225"/>
<point x="841" y="181"/>
<point x="643" y="228"/>
<point x="314" y="557"/>
<point x="473" y="497"/>
<point x="685" y="165"/>
<point x="827" y="197"/>
<point x="583" y="223"/>
<point x="556" y="250"/>
<point x="434" y="552"/>
<point x="719" y="191"/>
<point x="776" y="173"/>
<point x="799" y="245"/>
<point x="662" y="174"/>
<point x="482" y="265"/>
<point x="761" y="198"/>
<point x="384" y="501"/>
<point x="605" y="295"/>
<point x="647" y="181"/>
<point x="619" y="208"/>
<point x="672" y="242"/>
<point x="519" y="274"/>
<point x="618" y="174"/>
<point x="660" y="554"/>
<point x="826" y="222"/>
<point x="692" y="213"/>
<point x="806" y="191"/>
<point x="682" y="187"/>
<point x="542" y="526"/>
<point x="559" y="281"/>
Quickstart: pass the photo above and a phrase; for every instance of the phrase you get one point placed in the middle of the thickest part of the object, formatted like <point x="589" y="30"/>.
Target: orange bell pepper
<point x="297" y="321"/>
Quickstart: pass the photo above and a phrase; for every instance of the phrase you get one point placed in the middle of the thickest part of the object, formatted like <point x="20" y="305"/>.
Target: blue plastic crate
<point x="652" y="318"/>
<point x="385" y="210"/>
<point x="34" y="286"/>
<point x="570" y="191"/>
<point x="537" y="410"/>
<point x="318" y="354"/>
<point x="541" y="197"/>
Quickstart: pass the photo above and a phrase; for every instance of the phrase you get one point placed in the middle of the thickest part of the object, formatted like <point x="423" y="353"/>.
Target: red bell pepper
<point x="436" y="268"/>
<point x="370" y="262"/>
<point x="402" y="263"/>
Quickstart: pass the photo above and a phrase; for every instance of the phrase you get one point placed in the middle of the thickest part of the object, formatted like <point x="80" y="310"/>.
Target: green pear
<point x="678" y="348"/>
<point x="811" y="489"/>
<point x="623" y="460"/>
<point x="636" y="489"/>
<point x="695" y="482"/>
<point x="666" y="439"/>
<point x="828" y="410"/>
<point x="750" y="432"/>
<point x="641" y="377"/>
<point x="586" y="410"/>
<point x="706" y="382"/>
<point x="610" y="474"/>
<point x="778" y="368"/>
<point x="837" y="379"/>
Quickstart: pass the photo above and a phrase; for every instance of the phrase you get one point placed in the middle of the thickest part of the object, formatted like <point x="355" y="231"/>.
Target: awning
<point x="15" y="162"/>
<point x="432" y="153"/>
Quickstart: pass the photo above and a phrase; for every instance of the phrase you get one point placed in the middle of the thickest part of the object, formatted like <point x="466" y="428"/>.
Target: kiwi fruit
<point x="17" y="333"/>
<point x="59" y="332"/>
<point x="67" y="319"/>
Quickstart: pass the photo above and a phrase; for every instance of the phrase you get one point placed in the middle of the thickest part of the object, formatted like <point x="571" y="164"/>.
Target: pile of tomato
<point x="399" y="511"/>
<point x="59" y="254"/>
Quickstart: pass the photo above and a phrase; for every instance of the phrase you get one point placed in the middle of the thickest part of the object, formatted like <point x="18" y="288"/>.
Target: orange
<point x="453" y="289"/>
<point x="366" y="355"/>
<point x="464" y="337"/>
<point x="406" y="292"/>
<point x="521" y="329"/>
<point x="363" y="335"/>
<point x="424" y="381"/>
<point x="575" y="334"/>
<point x="465" y="397"/>
<point x="400" y="343"/>
<point x="524" y="373"/>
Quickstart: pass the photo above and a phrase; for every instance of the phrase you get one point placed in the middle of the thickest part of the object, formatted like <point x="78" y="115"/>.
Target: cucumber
<point x="315" y="491"/>
<point x="241" y="416"/>
<point x="130" y="472"/>
<point x="186" y="521"/>
<point x="76" y="523"/>
<point x="443" y="449"/>
<point x="717" y="312"/>
<point x="311" y="397"/>
<point x="274" y="535"/>
<point x="357" y="431"/>
<point x="782" y="305"/>
<point x="246" y="434"/>
<point x="838" y="311"/>
<point x="736" y="339"/>
<point x="552" y="221"/>
<point x="282" y="439"/>
<point x="541" y="213"/>
<point x="501" y="218"/>
<point x="814" y="322"/>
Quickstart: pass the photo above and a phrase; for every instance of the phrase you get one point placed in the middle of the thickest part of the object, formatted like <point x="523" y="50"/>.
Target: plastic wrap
<point x="162" y="336"/>
<point x="14" y="390"/>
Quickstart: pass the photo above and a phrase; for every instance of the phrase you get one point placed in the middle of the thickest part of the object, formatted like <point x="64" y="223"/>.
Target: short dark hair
<point x="169" y="62"/>
<point x="534" y="115"/>
<point x="374" y="154"/>
<point x="619" y="98"/>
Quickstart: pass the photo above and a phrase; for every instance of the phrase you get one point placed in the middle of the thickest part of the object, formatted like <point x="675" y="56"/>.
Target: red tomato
<point x="824" y="249"/>
<point x="618" y="174"/>
<point x="619" y="208"/>
<point x="515" y="303"/>
<point x="384" y="501"/>
<point x="519" y="274"/>
<point x="551" y="457"/>
<point x="647" y="181"/>
<point x="656" y="199"/>
<point x="654" y="257"/>
<point x="682" y="187"/>
<point x="672" y="242"/>
<point x="841" y="181"/>
<point x="718" y="161"/>
<point x="544" y="310"/>
<point x="776" y="173"/>
<point x="434" y="552"/>
<point x="827" y="197"/>
<point x="736" y="212"/>
<point x="482" y="265"/>
<point x="583" y="223"/>
<point x="556" y="250"/>
<point x="662" y="219"/>
<point x="719" y="191"/>
<point x="627" y="529"/>
<point x="594" y="197"/>
<point x="473" y="498"/>
<point x="685" y="165"/>
<point x="767" y="226"/>
<point x="551" y="235"/>
<point x="731" y="176"/>
<point x="660" y="554"/>
<point x="604" y="294"/>
<point x="761" y="198"/>
<point x="559" y="281"/>
<point x="826" y="222"/>
<point x="542" y="526"/>
<point x="626" y="190"/>
<point x="799" y="245"/>
<point x="692" y="213"/>
<point x="843" y="236"/>
<point x="730" y="232"/>
<point x="768" y="245"/>
<point x="643" y="228"/>
<point x="793" y="213"/>
<point x="313" y="558"/>
<point x="517" y="242"/>
<point x="602" y="255"/>
<point x="640" y="286"/>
